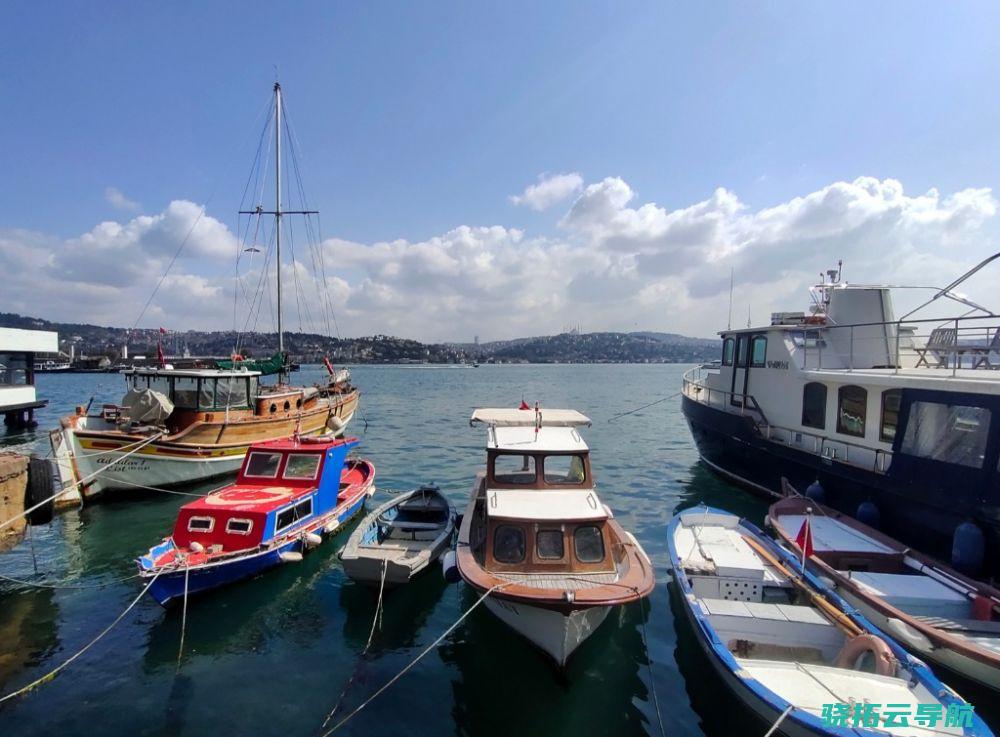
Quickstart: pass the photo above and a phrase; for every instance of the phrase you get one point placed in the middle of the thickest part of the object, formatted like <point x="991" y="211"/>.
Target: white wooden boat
<point x="936" y="612"/>
<point x="400" y="539"/>
<point x="536" y="538"/>
<point x="785" y="643"/>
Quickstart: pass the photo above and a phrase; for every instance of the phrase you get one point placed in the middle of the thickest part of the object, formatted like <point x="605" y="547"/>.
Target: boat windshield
<point x="302" y="466"/>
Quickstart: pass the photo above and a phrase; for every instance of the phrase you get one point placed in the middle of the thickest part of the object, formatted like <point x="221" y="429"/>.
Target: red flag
<point x="163" y="331"/>
<point x="805" y="539"/>
<point x="524" y="405"/>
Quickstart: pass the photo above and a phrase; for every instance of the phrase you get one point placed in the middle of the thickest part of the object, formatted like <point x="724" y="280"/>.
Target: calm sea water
<point x="271" y="656"/>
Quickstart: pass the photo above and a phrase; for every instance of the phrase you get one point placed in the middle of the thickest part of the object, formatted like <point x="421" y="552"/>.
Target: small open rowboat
<point x="400" y="538"/>
<point x="933" y="610"/>
<point x="289" y="495"/>
<point x="789" y="647"/>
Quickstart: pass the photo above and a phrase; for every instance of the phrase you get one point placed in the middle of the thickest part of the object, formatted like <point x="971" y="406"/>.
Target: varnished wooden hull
<point x="93" y="457"/>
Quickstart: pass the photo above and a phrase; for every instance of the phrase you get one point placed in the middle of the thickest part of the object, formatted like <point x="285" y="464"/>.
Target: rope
<point x="79" y="483"/>
<point x="55" y="671"/>
<point x="167" y="491"/>
<point x="184" y="613"/>
<point x="649" y="665"/>
<point x="651" y="404"/>
<point x="416" y="660"/>
<point x="784" y="714"/>
<point x="22" y="582"/>
<point x="371" y="636"/>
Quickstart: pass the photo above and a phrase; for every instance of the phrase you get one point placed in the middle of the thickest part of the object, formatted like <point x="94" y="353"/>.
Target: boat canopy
<point x="506" y="417"/>
<point x="545" y="440"/>
<point x="266" y="366"/>
<point x="548" y="505"/>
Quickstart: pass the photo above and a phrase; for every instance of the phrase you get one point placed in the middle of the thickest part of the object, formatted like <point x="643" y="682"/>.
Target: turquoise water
<point x="271" y="656"/>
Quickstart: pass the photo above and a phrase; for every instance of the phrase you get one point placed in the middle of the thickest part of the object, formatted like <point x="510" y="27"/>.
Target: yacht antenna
<point x="277" y="212"/>
<point x="732" y="276"/>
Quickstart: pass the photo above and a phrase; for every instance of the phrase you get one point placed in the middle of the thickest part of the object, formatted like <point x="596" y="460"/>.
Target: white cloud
<point x="118" y="200"/>
<point x="615" y="264"/>
<point x="549" y="191"/>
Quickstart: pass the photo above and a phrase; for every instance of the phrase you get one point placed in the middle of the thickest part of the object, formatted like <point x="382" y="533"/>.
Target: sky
<point x="494" y="169"/>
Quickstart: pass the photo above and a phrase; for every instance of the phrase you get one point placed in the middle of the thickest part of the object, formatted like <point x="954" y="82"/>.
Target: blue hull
<point x="170" y="587"/>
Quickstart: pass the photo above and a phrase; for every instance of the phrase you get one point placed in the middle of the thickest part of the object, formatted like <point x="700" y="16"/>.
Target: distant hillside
<point x="644" y="347"/>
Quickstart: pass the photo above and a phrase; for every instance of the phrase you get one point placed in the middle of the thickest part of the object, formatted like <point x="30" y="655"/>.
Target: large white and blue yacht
<point x="896" y="418"/>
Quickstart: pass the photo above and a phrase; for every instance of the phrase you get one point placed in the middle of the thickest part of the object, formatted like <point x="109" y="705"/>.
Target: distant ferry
<point x="898" y="419"/>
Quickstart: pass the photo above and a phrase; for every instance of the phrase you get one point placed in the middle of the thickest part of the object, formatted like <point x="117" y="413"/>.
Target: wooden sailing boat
<point x="178" y="426"/>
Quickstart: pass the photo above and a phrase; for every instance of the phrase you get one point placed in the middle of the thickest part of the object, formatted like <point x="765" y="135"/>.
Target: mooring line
<point x="649" y="666"/>
<point x="79" y="483"/>
<point x="184" y="612"/>
<point x="416" y="660"/>
<point x="55" y="671"/>
<point x="22" y="582"/>
<point x="371" y="636"/>
<point x="651" y="404"/>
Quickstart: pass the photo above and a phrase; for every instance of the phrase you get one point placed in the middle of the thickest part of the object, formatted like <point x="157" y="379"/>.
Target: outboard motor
<point x="816" y="492"/>
<point x="869" y="514"/>
<point x="968" y="547"/>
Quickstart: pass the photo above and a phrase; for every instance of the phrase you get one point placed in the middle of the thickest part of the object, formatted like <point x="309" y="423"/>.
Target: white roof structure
<point x="506" y="417"/>
<point x="527" y="440"/>
<point x="28" y="341"/>
<point x="545" y="505"/>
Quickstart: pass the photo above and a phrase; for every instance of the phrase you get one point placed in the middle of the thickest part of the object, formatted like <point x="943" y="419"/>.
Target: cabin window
<point x="294" y="514"/>
<point x="263" y="465"/>
<point x="201" y="524"/>
<point x="728" y="346"/>
<point x="741" y="350"/>
<point x="758" y="351"/>
<point x="239" y="526"/>
<point x="890" y="415"/>
<point x="588" y="544"/>
<point x="513" y="469"/>
<point x="563" y="469"/>
<point x="206" y="393"/>
<point x="231" y="392"/>
<point x="814" y="405"/>
<point x="185" y="392"/>
<point x="549" y="544"/>
<point x="951" y="433"/>
<point x="852" y="408"/>
<point x="13" y="368"/>
<point x="160" y="384"/>
<point x="302" y="466"/>
<point x="508" y="544"/>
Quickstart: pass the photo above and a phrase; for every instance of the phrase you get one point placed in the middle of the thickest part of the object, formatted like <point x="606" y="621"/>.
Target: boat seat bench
<point x="410" y="526"/>
<point x="916" y="595"/>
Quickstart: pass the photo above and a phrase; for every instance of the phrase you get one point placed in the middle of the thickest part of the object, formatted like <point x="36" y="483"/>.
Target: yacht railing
<point x="970" y="342"/>
<point x="831" y="449"/>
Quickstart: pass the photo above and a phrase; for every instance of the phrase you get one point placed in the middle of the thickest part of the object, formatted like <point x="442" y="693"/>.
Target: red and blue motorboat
<point x="289" y="496"/>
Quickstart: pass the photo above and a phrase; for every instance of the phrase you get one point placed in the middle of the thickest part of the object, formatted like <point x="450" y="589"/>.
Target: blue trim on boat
<point x="704" y="630"/>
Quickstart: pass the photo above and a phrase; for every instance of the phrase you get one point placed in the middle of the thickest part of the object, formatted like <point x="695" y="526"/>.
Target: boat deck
<point x="560" y="581"/>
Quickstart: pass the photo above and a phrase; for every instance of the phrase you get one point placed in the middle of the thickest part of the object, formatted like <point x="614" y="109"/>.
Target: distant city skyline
<point x="499" y="171"/>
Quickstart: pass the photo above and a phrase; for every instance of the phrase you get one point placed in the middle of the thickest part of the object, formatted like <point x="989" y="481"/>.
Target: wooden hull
<point x="93" y="456"/>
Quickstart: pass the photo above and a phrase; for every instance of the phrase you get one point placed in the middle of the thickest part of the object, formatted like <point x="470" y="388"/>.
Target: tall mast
<point x="277" y="203"/>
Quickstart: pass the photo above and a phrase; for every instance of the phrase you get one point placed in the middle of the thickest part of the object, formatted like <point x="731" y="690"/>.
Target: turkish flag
<point x="805" y="539"/>
<point x="524" y="405"/>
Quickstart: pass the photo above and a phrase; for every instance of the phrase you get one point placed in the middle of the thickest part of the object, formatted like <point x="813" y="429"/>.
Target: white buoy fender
<point x="335" y="423"/>
<point x="331" y="526"/>
<point x="312" y="539"/>
<point x="449" y="567"/>
<point x="290" y="556"/>
<point x="197" y="547"/>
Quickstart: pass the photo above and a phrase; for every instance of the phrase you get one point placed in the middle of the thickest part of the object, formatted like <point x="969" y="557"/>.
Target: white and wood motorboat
<point x="400" y="539"/>
<point x="791" y="649"/>
<point x="536" y="539"/>
<point x="935" y="611"/>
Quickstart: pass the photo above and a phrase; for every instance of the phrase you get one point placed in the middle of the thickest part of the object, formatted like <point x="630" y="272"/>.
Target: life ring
<point x="856" y="647"/>
<point x="815" y="320"/>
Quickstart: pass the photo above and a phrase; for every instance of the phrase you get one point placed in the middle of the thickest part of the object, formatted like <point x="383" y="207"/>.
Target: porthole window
<point x="588" y="544"/>
<point x="298" y="402"/>
<point x="549" y="544"/>
<point x="288" y="405"/>
<point x="273" y="408"/>
<point x="508" y="544"/>
<point x="201" y="524"/>
<point x="239" y="526"/>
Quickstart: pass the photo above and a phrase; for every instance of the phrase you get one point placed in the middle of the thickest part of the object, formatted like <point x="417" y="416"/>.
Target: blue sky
<point x="418" y="118"/>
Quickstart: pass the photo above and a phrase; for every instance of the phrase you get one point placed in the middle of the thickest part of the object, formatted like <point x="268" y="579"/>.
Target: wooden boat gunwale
<point x="939" y="638"/>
